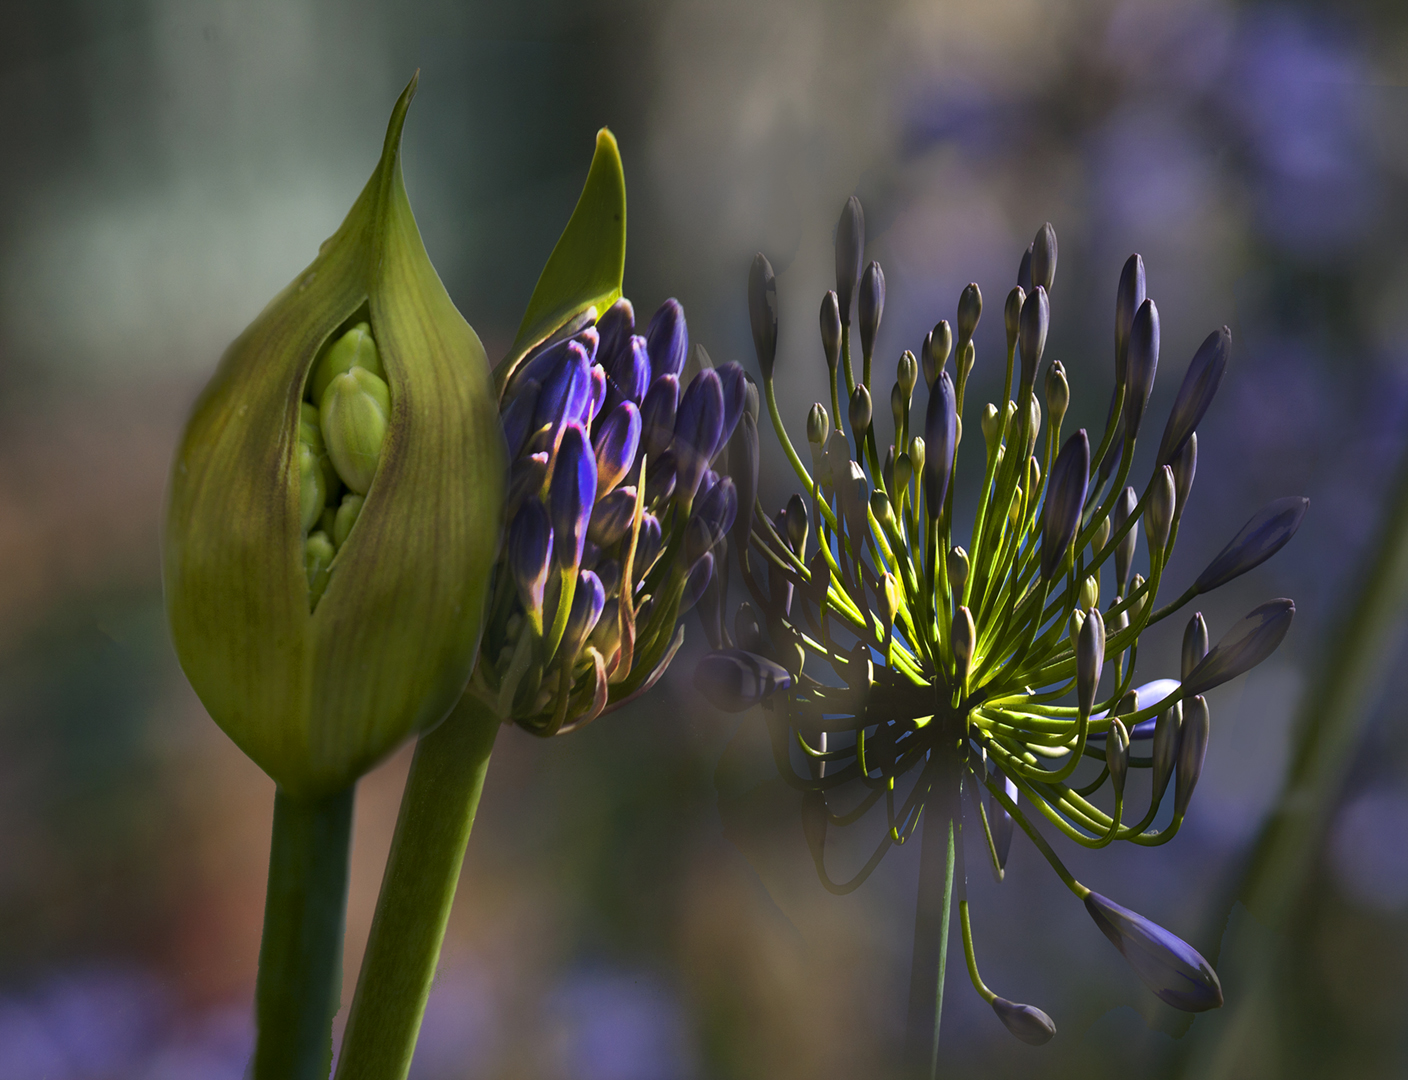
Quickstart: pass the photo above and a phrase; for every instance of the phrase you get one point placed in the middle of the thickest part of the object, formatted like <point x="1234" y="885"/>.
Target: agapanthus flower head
<point x="906" y="656"/>
<point x="619" y="516"/>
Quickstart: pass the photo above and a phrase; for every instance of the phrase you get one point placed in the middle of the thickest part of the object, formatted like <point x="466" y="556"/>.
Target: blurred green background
<point x="170" y="166"/>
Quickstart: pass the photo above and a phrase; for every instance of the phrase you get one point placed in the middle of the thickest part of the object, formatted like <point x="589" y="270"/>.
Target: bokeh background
<point x="169" y="166"/>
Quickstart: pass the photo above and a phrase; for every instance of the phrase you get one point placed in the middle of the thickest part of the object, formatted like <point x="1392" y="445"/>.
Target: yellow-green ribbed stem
<point x="437" y="812"/>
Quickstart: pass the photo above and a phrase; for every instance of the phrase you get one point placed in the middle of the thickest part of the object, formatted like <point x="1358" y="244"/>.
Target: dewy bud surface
<point x="318" y="693"/>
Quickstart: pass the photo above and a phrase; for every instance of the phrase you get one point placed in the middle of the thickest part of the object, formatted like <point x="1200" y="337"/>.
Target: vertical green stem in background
<point x="1332" y="716"/>
<point x="300" y="956"/>
<point x="418" y="886"/>
<point x="931" y="922"/>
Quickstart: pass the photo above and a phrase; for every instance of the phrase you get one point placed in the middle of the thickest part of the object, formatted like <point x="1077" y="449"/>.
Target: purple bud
<point x="870" y="306"/>
<point x="1090" y="658"/>
<point x="830" y="332"/>
<point x="700" y="574"/>
<point x="1044" y="257"/>
<point x="666" y="341"/>
<point x="762" y="312"/>
<point x="542" y="364"/>
<point x="615" y="327"/>
<point x="970" y="310"/>
<point x="597" y="398"/>
<point x="1185" y="467"/>
<point x="648" y="546"/>
<point x="616" y="443"/>
<point x="734" y="680"/>
<point x="657" y="415"/>
<point x="1031" y="333"/>
<point x="517" y="419"/>
<point x="628" y="374"/>
<point x="1167" y="965"/>
<point x="1027" y="1022"/>
<point x="1269" y="530"/>
<point x="587" y="601"/>
<point x="698" y="426"/>
<point x="572" y="494"/>
<point x="733" y="381"/>
<point x="1243" y="647"/>
<point x="1195" y="644"/>
<point x="940" y="442"/>
<point x="1164" y="756"/>
<point x="1142" y="364"/>
<point x="1125" y="505"/>
<point x="1065" y="498"/>
<point x="1192" y="749"/>
<point x="850" y="248"/>
<point x="526" y="478"/>
<point x="567" y="392"/>
<point x="711" y="519"/>
<point x="611" y="517"/>
<point x="1128" y="298"/>
<point x="1196" y="394"/>
<point x="530" y="542"/>
<point x="660" y="478"/>
<point x="1024" y="270"/>
<point x="1012" y="315"/>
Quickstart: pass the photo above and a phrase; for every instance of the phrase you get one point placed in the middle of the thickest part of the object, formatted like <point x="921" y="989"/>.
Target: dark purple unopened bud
<point x="940" y="442"/>
<point x="733" y="381"/>
<point x="614" y="328"/>
<point x="611" y="517"/>
<point x="628" y="373"/>
<point x="1192" y="749"/>
<point x="870" y="306"/>
<point x="587" y="601"/>
<point x="970" y="310"/>
<point x="1044" y="257"/>
<point x="1195" y="644"/>
<point x="541" y="366"/>
<point x="1090" y="658"/>
<point x="648" y="545"/>
<point x="1196" y="394"/>
<point x="1269" y="530"/>
<point x="698" y="427"/>
<point x="565" y="395"/>
<point x="711" y="519"/>
<point x="1124" y="550"/>
<point x="850" y="246"/>
<point x="762" y="312"/>
<point x="831" y="330"/>
<point x="657" y="415"/>
<point x="1165" y="751"/>
<point x="616" y="442"/>
<point x="667" y="340"/>
<point x="1024" y="270"/>
<point x="860" y="411"/>
<point x="1001" y="824"/>
<point x="1243" y="647"/>
<point x="700" y="574"/>
<point x="572" y="494"/>
<point x="517" y="418"/>
<point x="1185" y="467"/>
<point x="530" y="544"/>
<point x="797" y="525"/>
<point x="660" y="478"/>
<point x="1166" y="964"/>
<point x="1065" y="498"/>
<point x="1031" y="333"/>
<point x="1012" y="315"/>
<point x="598" y="394"/>
<point x="525" y="479"/>
<point x="1128" y="299"/>
<point x="1027" y="1022"/>
<point x="734" y="680"/>
<point x="1142" y="365"/>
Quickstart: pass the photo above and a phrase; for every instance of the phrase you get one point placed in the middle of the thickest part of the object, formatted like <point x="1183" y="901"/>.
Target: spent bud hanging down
<point x="1167" y="965"/>
<point x="1192" y="749"/>
<point x="1027" y="1022"/>
<point x="1243" y="647"/>
<point x="360" y="377"/>
<point x="1195" y="395"/>
<point x="1129" y="298"/>
<point x="762" y="312"/>
<point x="1269" y="530"/>
<point x="870" y="306"/>
<point x="1065" y="498"/>
<point x="850" y="248"/>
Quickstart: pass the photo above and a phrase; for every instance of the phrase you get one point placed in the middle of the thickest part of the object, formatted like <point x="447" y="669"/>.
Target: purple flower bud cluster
<point x="608" y="442"/>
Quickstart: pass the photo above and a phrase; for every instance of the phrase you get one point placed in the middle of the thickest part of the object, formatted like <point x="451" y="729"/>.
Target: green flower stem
<point x="437" y="812"/>
<point x="300" y="955"/>
<point x="931" y="921"/>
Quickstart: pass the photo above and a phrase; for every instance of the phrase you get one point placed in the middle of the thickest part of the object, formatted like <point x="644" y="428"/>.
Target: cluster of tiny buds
<point x="616" y="513"/>
<point x="978" y="669"/>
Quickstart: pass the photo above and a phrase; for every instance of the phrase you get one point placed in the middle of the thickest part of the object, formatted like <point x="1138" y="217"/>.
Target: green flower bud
<point x="957" y="568"/>
<point x="916" y="455"/>
<point x="356" y="408"/>
<point x="316" y="695"/>
<point x="312" y="489"/>
<point x="1090" y="593"/>
<point x="346" y="517"/>
<point x="818" y="425"/>
<point x="354" y="349"/>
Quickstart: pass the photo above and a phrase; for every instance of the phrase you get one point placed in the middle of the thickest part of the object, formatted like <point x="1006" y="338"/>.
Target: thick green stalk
<point x="437" y="812"/>
<point x="300" y="957"/>
<point x="931" y="921"/>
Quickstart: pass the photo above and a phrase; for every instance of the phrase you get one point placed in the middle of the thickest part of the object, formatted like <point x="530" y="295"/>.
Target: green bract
<point x="318" y="652"/>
